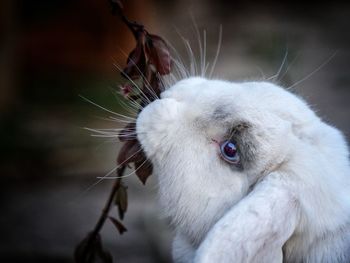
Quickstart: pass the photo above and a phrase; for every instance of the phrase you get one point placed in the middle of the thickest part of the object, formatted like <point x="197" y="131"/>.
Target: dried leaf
<point x="105" y="256"/>
<point x="158" y="53"/>
<point x="121" y="228"/>
<point x="119" y="3"/>
<point x="82" y="252"/>
<point x="155" y="83"/>
<point x="143" y="169"/>
<point x="136" y="62"/>
<point x="117" y="6"/>
<point x="89" y="250"/>
<point x="128" y="133"/>
<point x="121" y="200"/>
<point x="129" y="153"/>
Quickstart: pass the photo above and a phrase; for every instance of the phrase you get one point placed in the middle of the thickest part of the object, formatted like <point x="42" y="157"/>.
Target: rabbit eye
<point x="228" y="152"/>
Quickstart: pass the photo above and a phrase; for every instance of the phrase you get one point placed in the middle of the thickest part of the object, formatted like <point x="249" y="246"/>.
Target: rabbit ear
<point x="260" y="223"/>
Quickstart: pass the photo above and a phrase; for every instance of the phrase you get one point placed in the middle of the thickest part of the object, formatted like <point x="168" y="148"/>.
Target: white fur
<point x="291" y="202"/>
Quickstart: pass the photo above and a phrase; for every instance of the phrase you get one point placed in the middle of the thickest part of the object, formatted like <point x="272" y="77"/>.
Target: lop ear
<point x="255" y="229"/>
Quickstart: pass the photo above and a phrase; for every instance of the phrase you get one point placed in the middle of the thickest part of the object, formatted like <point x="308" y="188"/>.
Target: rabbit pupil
<point x="229" y="151"/>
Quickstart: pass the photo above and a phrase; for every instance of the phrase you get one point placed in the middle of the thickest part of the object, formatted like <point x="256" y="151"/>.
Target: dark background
<point x="53" y="51"/>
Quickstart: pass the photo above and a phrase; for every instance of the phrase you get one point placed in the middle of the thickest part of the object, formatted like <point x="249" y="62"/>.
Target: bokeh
<point x="53" y="53"/>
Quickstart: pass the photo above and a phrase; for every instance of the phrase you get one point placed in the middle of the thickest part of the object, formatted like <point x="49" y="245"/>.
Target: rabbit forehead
<point x="201" y="91"/>
<point x="245" y="100"/>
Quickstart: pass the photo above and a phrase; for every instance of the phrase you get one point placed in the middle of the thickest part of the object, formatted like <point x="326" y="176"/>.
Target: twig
<point x="108" y="205"/>
<point x="151" y="52"/>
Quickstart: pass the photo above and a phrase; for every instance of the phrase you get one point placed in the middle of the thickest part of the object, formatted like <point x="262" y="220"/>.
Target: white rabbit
<point x="248" y="173"/>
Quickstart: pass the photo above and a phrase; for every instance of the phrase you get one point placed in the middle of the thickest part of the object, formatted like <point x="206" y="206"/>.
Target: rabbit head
<point x="210" y="141"/>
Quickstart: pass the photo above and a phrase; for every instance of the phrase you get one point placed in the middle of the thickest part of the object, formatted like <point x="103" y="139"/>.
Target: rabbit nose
<point x="165" y="94"/>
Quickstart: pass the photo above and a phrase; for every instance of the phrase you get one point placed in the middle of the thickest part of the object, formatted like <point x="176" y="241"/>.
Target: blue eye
<point x="228" y="151"/>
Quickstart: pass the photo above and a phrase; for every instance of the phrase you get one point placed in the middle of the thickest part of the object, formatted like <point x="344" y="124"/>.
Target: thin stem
<point x="132" y="25"/>
<point x="105" y="211"/>
<point x="107" y="208"/>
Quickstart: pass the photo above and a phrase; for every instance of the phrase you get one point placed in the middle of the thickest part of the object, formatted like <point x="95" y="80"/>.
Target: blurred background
<point x="53" y="51"/>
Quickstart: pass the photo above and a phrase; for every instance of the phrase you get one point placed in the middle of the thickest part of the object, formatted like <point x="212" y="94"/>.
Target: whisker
<point x="183" y="72"/>
<point x="132" y="108"/>
<point x="110" y="133"/>
<point x="168" y="80"/>
<point x="217" y="52"/>
<point x="161" y="82"/>
<point x="107" y="110"/>
<point x="110" y="172"/>
<point x="193" y="64"/>
<point x="275" y="77"/>
<point x="133" y="82"/>
<point x="204" y="53"/>
<point x="134" y="105"/>
<point x="109" y="130"/>
<point x="261" y="72"/>
<point x="129" y="137"/>
<point x="199" y="43"/>
<point x="179" y="61"/>
<point x="314" y="71"/>
<point x="206" y="68"/>
<point x="100" y="180"/>
<point x="143" y="95"/>
<point x="123" y="176"/>
<point x="110" y="140"/>
<point x="146" y="83"/>
<point x="110" y="118"/>
<point x="289" y="66"/>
